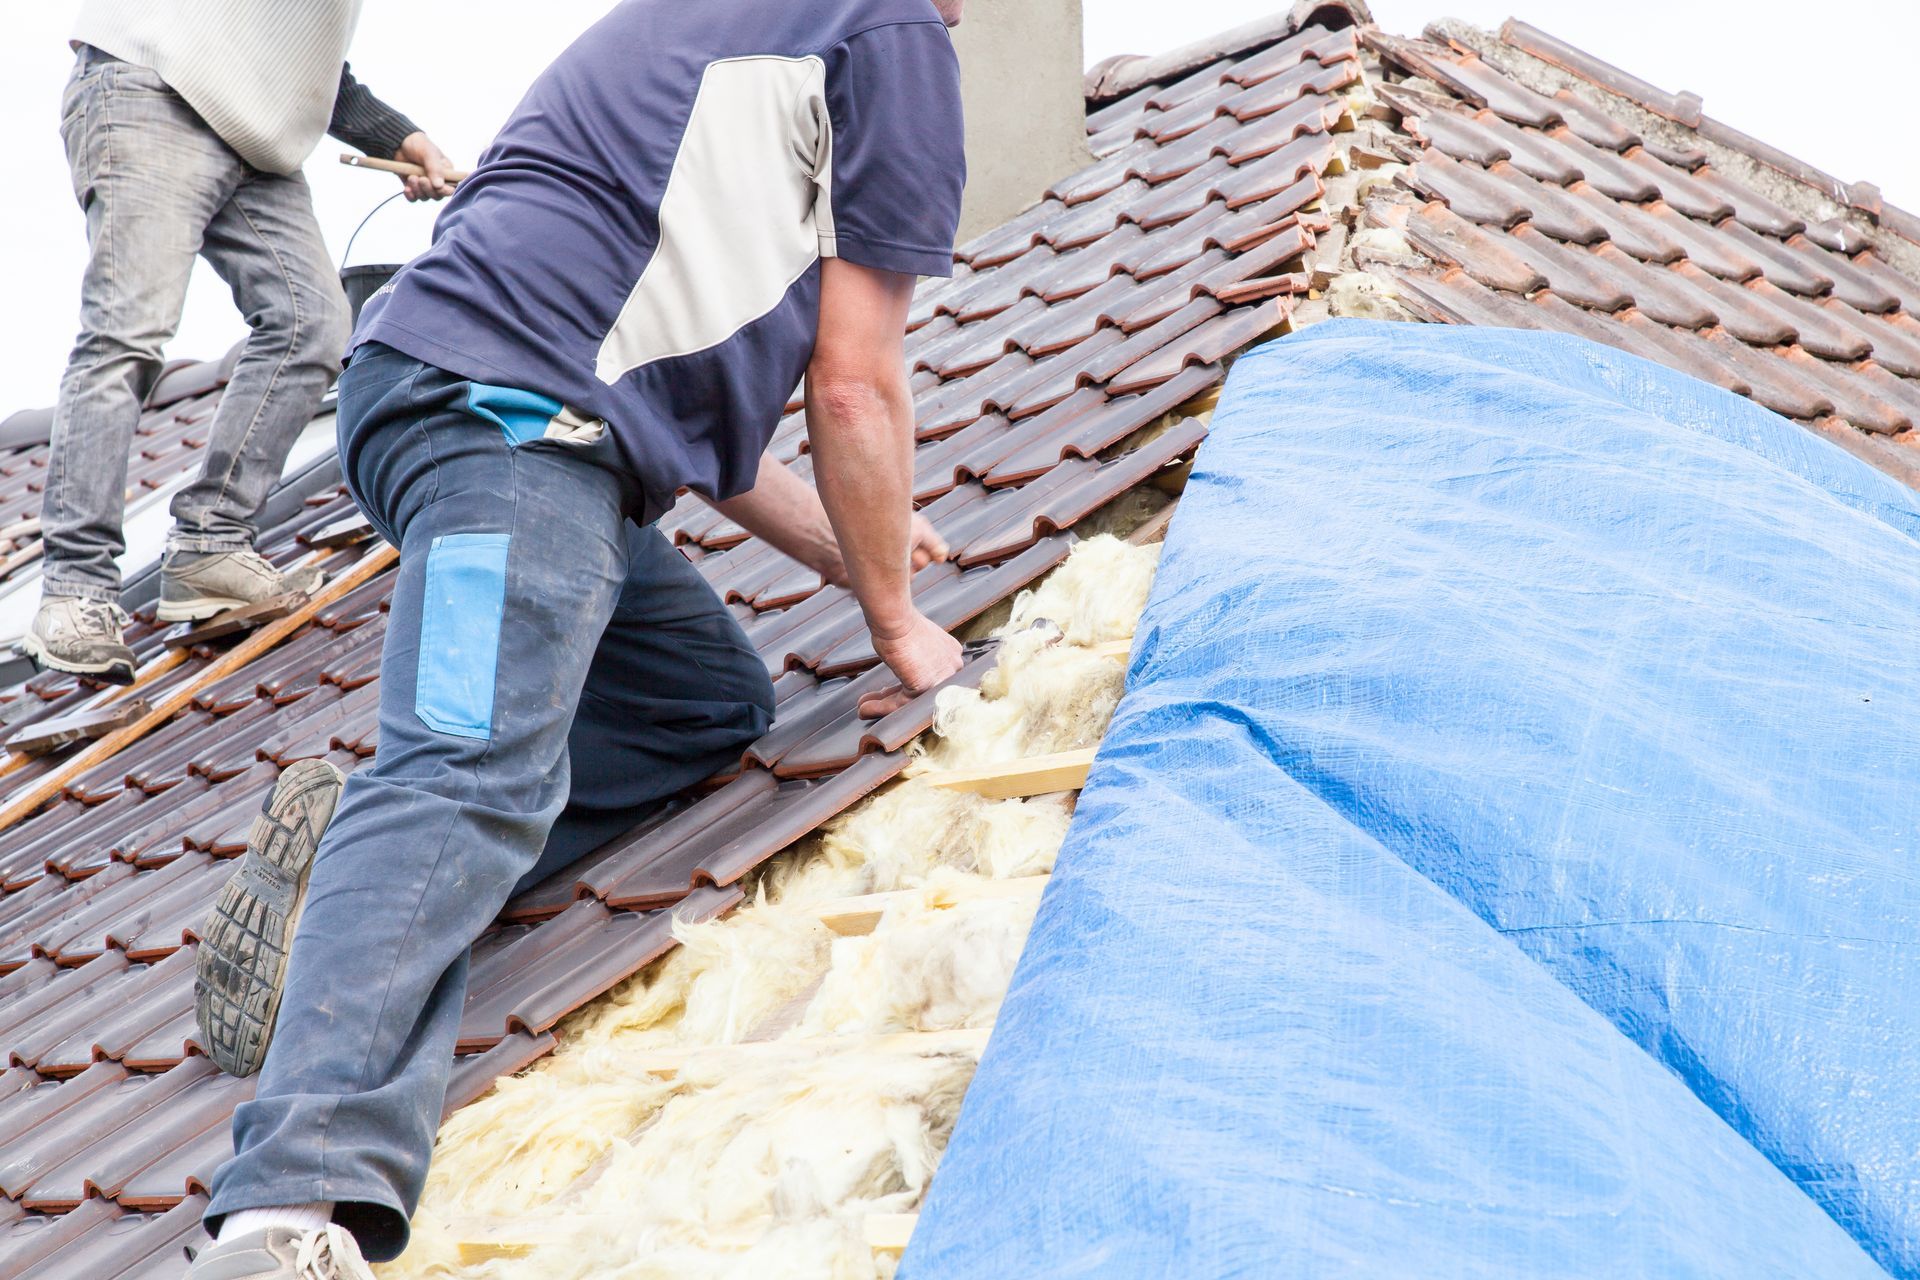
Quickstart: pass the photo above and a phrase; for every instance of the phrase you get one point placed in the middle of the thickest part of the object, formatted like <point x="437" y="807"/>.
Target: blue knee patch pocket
<point x="466" y="595"/>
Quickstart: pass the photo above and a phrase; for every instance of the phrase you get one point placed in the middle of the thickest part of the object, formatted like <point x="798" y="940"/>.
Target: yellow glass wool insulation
<point x="1057" y="697"/>
<point x="526" y="1141"/>
<point x="895" y="840"/>
<point x="1096" y="596"/>
<point x="798" y="1150"/>
<point x="766" y="1168"/>
<point x="1380" y="179"/>
<point x="540" y="1131"/>
<point x="924" y="968"/>
<point x="1366" y="296"/>
<point x="1377" y="244"/>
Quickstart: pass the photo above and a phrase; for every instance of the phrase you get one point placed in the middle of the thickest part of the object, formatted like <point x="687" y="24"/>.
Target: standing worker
<point x="694" y="206"/>
<point x="186" y="122"/>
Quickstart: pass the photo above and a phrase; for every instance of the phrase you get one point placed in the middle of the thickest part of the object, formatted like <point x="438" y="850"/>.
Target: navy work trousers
<point x="552" y="672"/>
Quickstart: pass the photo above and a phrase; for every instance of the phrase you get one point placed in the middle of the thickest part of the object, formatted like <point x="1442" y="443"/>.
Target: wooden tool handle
<point x="401" y="167"/>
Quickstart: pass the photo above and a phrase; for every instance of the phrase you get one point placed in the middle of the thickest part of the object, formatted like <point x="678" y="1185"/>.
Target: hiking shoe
<point x="196" y="585"/>
<point x="242" y="963"/>
<point x="82" y="637"/>
<point x="283" y="1253"/>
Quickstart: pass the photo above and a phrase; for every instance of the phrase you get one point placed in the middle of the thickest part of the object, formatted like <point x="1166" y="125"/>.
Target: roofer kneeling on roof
<point x="694" y="206"/>
<point x="185" y="125"/>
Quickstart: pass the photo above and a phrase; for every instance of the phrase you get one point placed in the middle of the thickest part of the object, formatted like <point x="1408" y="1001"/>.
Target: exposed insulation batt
<point x="925" y="968"/>
<point x="1382" y="244"/>
<point x="1372" y="180"/>
<point x="1366" y="296"/>
<point x="767" y="1166"/>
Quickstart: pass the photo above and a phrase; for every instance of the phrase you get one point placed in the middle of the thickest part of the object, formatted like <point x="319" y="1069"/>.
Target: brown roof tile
<point x="1468" y="190"/>
<point x="1446" y="237"/>
<point x="1856" y="399"/>
<point x="1462" y="136"/>
<point x="1689" y="352"/>
<point x="1774" y="381"/>
<point x="1457" y="298"/>
<point x="1570" y="271"/>
<point x="1655" y="292"/>
<point x="1703" y="246"/>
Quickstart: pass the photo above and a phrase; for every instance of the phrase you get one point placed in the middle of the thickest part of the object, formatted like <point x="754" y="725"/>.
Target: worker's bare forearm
<point x="861" y="431"/>
<point x="786" y="511"/>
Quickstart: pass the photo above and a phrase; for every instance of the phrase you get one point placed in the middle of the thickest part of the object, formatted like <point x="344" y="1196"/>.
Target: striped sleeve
<point x="363" y="121"/>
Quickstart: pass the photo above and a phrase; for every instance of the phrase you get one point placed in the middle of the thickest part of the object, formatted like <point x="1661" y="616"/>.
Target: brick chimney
<point x="1023" y="81"/>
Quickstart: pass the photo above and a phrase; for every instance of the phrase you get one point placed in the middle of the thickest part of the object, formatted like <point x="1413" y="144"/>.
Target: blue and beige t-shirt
<point x="642" y="242"/>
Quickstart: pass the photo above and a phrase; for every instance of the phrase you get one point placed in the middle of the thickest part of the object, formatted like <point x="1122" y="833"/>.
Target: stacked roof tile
<point x="1054" y="373"/>
<point x="1608" y="209"/>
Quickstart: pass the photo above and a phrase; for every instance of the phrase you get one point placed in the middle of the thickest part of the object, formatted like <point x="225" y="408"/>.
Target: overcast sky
<point x="458" y="66"/>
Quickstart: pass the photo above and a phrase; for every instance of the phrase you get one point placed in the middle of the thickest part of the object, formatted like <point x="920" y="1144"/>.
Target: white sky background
<point x="1829" y="93"/>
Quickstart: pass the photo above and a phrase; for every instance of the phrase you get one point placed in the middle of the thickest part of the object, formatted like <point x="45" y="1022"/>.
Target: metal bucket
<point x="363" y="281"/>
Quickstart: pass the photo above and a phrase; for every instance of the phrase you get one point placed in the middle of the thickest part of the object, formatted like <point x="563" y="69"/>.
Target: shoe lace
<point x="101" y="615"/>
<point x="329" y="1254"/>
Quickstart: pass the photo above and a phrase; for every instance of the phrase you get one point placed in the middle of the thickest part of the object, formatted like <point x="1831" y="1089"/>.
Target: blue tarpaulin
<point x="1503" y="862"/>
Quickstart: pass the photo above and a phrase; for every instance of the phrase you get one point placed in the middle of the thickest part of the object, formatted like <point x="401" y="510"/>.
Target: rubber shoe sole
<point x="113" y="670"/>
<point x="242" y="963"/>
<point x="198" y="609"/>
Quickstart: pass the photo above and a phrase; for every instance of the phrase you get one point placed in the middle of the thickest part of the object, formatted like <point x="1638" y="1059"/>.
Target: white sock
<point x="298" y="1217"/>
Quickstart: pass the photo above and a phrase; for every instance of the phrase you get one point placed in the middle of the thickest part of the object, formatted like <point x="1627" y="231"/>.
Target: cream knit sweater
<point x="263" y="74"/>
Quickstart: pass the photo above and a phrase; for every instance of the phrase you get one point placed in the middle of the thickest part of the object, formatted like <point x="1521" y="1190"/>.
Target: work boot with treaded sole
<point x="196" y="585"/>
<point x="242" y="964"/>
<point x="81" y="637"/>
<point x="282" y="1253"/>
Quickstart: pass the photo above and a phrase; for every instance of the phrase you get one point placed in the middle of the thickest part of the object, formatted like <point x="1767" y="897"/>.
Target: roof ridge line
<point x="1686" y="110"/>
<point x="1121" y="74"/>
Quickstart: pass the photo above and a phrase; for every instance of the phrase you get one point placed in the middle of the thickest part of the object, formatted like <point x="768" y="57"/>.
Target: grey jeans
<point x="158" y="187"/>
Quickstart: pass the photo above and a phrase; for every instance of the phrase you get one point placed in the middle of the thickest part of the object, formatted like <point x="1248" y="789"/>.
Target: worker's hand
<point x="921" y="657"/>
<point x="924" y="547"/>
<point x="418" y="149"/>
<point x="924" y="543"/>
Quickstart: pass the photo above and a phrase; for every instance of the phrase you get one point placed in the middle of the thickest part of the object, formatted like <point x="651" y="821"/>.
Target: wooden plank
<point x="670" y="1062"/>
<point x="857" y="917"/>
<point x="95" y="722"/>
<point x="889" y="1232"/>
<point x="1154" y="528"/>
<point x="1172" y="480"/>
<point x="165" y="662"/>
<point x="343" y="532"/>
<point x="485" y="1240"/>
<point x="1038" y="775"/>
<point x="21" y="558"/>
<point x="165" y="709"/>
<point x="1203" y="404"/>
<point x="488" y="1239"/>
<point x="788" y="1015"/>
<point x="233" y="621"/>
